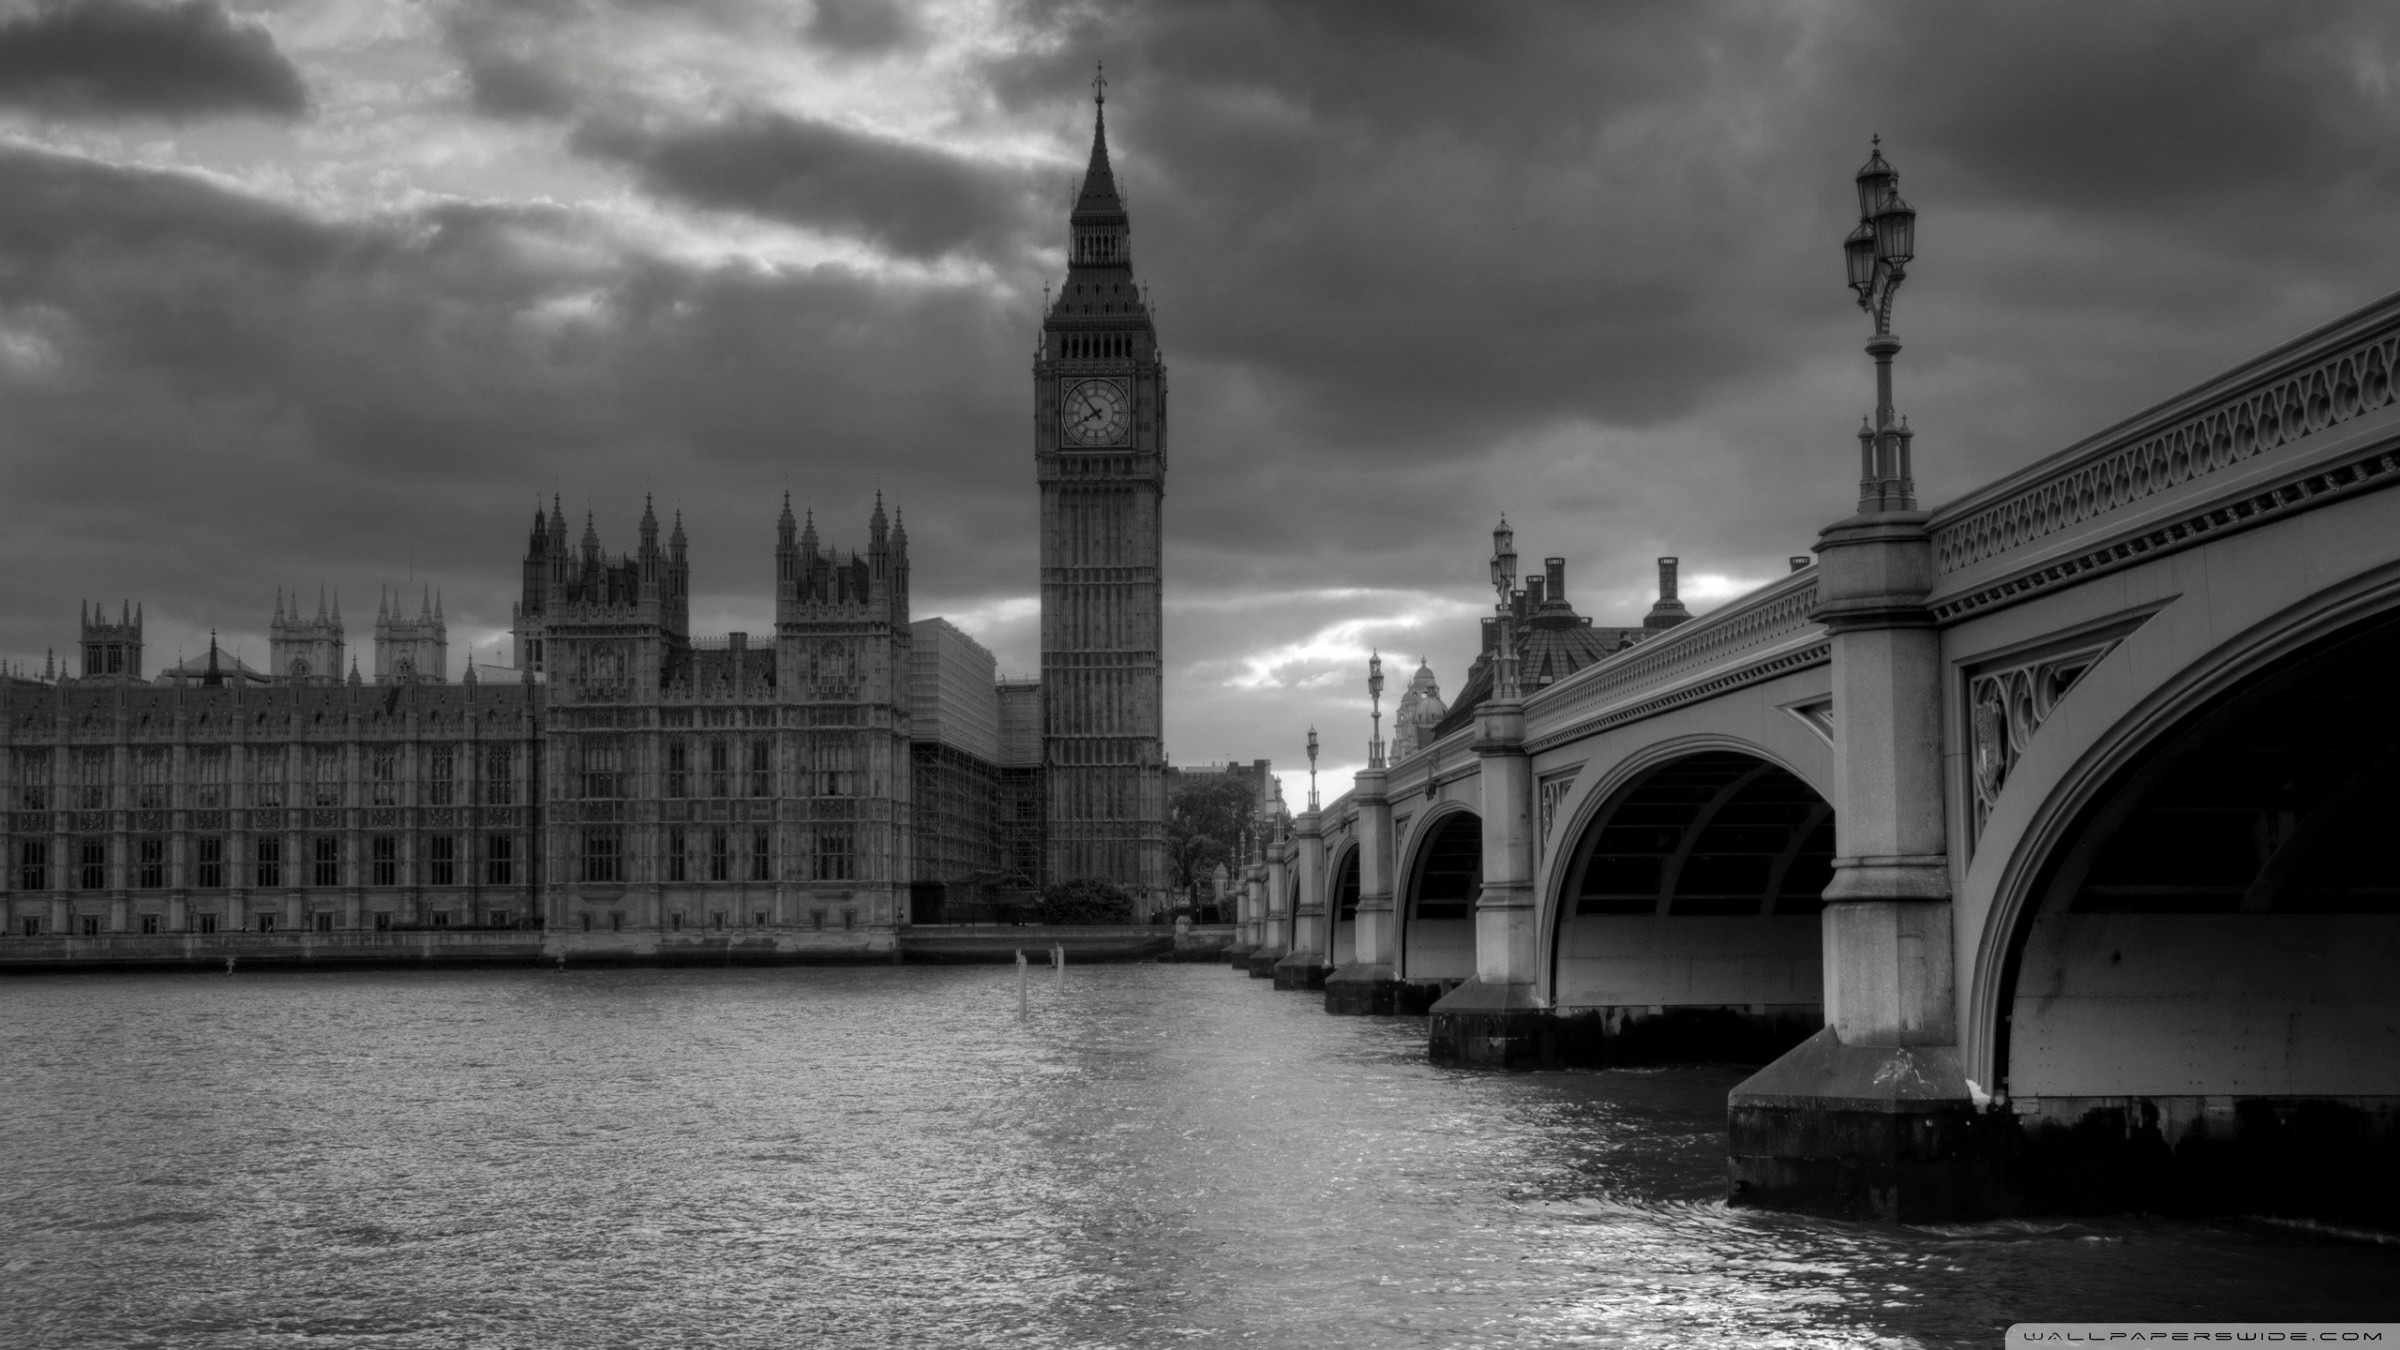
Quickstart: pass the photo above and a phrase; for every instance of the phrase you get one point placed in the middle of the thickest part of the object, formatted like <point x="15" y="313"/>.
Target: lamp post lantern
<point x="1375" y="706"/>
<point x="1504" y="583"/>
<point x="1312" y="768"/>
<point x="1877" y="254"/>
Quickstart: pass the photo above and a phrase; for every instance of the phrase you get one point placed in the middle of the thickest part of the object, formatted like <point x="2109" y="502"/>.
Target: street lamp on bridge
<point x="1375" y="706"/>
<point x="1312" y="768"/>
<point x="1878" y="253"/>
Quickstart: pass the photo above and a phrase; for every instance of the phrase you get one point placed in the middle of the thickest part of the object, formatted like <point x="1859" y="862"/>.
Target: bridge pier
<point x="1365" y="983"/>
<point x="1873" y="1115"/>
<point x="1274" y="908"/>
<point x="1497" y="1017"/>
<point x="1312" y="937"/>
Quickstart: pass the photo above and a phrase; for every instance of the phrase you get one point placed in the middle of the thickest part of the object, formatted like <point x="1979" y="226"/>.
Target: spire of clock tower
<point x="1100" y="235"/>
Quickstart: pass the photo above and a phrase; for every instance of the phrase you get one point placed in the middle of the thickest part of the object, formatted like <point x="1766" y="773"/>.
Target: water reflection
<point x="888" y="1157"/>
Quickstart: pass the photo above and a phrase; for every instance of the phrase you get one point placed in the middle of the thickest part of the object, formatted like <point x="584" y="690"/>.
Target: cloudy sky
<point x="329" y="293"/>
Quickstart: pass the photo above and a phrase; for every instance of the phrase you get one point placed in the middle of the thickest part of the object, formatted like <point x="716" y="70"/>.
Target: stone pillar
<point x="1312" y="928"/>
<point x="1497" y="1017"/>
<point x="1872" y="1116"/>
<point x="1366" y="985"/>
<point x="1245" y="916"/>
<point x="1275" y="907"/>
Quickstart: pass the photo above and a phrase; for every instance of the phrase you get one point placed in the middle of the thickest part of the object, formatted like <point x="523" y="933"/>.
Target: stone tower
<point x="841" y="676"/>
<point x="302" y="650"/>
<point x="112" y="651"/>
<point x="1100" y="452"/>
<point x="411" y="649"/>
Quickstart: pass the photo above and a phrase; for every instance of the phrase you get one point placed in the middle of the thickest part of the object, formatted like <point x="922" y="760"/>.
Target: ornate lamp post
<point x="1878" y="253"/>
<point x="1312" y="768"/>
<point x="1375" y="704"/>
<point x="1504" y="582"/>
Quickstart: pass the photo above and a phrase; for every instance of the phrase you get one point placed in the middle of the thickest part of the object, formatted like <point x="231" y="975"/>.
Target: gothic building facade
<point x="631" y="780"/>
<point x="1100" y="451"/>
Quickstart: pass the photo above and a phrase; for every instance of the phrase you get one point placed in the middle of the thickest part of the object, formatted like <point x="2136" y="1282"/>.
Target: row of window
<point x="322" y="777"/>
<point x="88" y="925"/>
<point x="721" y="768"/>
<point x="719" y="854"/>
<point x="716" y="920"/>
<point x="87" y="867"/>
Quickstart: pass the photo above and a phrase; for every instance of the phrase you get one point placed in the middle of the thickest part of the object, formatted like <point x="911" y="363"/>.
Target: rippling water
<point x="1161" y="1155"/>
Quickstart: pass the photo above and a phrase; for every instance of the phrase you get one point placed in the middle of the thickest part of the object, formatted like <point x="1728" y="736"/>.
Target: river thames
<point x="1158" y="1155"/>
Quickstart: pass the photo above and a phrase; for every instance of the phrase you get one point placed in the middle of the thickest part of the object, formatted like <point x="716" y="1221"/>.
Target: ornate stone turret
<point x="1421" y="710"/>
<point x="302" y="650"/>
<point x="112" y="651"/>
<point x="409" y="649"/>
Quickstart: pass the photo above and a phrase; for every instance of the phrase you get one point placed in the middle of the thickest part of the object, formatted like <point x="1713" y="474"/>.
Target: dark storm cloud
<point x="910" y="199"/>
<point x="116" y="58"/>
<point x="861" y="27"/>
<point x="509" y="74"/>
<point x="281" y="398"/>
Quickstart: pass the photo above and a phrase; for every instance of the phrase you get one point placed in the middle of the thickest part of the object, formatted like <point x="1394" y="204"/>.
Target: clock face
<point x="1095" y="412"/>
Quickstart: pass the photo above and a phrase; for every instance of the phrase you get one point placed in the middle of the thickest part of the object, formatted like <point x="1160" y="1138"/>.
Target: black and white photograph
<point x="1122" y="674"/>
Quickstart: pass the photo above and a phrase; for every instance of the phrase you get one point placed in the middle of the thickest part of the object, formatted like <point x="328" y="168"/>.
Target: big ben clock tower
<point x="1100" y="453"/>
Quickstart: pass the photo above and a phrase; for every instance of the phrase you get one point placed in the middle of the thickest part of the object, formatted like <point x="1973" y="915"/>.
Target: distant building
<point x="1023" y="800"/>
<point x="1552" y="641"/>
<point x="954" y="753"/>
<point x="1421" y="710"/>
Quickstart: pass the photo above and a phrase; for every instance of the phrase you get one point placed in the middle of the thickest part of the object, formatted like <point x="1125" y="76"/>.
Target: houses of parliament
<point x="819" y="786"/>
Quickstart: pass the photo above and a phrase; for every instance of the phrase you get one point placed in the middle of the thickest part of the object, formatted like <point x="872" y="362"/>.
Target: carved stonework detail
<point x="1553" y="791"/>
<point x="2006" y="707"/>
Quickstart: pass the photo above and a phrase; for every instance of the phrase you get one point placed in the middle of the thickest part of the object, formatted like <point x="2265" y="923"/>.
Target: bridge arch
<point x="1341" y="906"/>
<point x="2191" y="942"/>
<point x="1682" y="918"/>
<point x="1435" y="909"/>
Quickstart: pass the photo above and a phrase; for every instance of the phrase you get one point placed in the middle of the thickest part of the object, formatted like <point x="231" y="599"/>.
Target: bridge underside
<point x="2205" y="1012"/>
<point x="1687" y="928"/>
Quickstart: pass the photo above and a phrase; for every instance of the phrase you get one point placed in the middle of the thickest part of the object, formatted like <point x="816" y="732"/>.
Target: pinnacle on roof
<point x="1099" y="196"/>
<point x="591" y="534"/>
<point x="783" y="523"/>
<point x="675" y="540"/>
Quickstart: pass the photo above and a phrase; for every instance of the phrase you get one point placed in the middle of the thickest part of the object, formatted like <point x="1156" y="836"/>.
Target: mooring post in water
<point x="1058" y="960"/>
<point x="1024" y="1009"/>
<point x="229" y="965"/>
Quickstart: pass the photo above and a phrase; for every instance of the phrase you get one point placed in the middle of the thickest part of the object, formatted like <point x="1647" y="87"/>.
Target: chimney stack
<point x="1669" y="611"/>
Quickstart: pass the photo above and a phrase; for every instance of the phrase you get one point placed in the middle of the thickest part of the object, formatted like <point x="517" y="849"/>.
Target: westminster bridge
<point x="2038" y="840"/>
